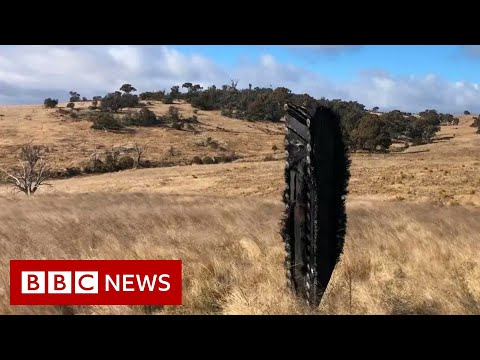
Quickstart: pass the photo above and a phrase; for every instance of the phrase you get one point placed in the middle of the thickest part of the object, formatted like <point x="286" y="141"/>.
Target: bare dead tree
<point x="95" y="161"/>
<point x="34" y="171"/>
<point x="233" y="84"/>
<point x="139" y="151"/>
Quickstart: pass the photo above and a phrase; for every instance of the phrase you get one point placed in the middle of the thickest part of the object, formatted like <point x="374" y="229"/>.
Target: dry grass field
<point x="413" y="218"/>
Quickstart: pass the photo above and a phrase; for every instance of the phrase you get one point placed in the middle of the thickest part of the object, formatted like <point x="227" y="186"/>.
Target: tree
<point x="50" y="103"/>
<point x="128" y="100"/>
<point x="139" y="150"/>
<point x="448" y="119"/>
<point x="371" y="134"/>
<point x="157" y="95"/>
<point x="375" y="109"/>
<point x="127" y="88"/>
<point x="116" y="101"/>
<point x="431" y="117"/>
<point x="420" y="130"/>
<point x="71" y="105"/>
<point x="84" y="99"/>
<point x="35" y="170"/>
<point x="233" y="84"/>
<point x="74" y="96"/>
<point x="396" y="123"/>
<point x="466" y="112"/>
<point x="175" y="92"/>
<point x="97" y="98"/>
<point x="187" y="86"/>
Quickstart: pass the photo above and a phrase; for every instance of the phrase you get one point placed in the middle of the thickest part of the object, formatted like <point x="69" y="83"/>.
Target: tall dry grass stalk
<point x="400" y="258"/>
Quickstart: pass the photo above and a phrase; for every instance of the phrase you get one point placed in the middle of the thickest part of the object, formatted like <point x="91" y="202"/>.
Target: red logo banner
<point x="95" y="282"/>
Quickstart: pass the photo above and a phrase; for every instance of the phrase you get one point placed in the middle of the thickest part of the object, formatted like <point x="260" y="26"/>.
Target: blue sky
<point x="450" y="61"/>
<point x="409" y="77"/>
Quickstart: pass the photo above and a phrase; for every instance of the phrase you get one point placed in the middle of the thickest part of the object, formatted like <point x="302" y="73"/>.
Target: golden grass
<point x="444" y="172"/>
<point x="412" y="237"/>
<point x="71" y="142"/>
<point x="399" y="258"/>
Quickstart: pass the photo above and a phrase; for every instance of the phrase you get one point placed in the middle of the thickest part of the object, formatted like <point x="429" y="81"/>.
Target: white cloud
<point x="29" y="74"/>
<point x="128" y="56"/>
<point x="95" y="70"/>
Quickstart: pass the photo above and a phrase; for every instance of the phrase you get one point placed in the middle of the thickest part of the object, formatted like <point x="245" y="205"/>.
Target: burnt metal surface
<point x="316" y="181"/>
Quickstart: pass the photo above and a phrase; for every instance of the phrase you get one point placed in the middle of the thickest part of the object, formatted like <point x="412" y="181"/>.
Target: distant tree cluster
<point x="155" y="96"/>
<point x="362" y="129"/>
<point x="74" y="96"/>
<point x="117" y="101"/>
<point x="50" y="103"/>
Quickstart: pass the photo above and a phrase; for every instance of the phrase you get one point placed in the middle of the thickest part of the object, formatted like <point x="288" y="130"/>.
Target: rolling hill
<point x="411" y="241"/>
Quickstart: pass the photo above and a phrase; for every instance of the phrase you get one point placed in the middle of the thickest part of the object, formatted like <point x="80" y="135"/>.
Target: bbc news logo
<point x="95" y="282"/>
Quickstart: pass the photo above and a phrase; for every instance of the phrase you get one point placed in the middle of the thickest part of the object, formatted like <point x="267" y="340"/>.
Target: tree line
<point x="363" y="129"/>
<point x="367" y="130"/>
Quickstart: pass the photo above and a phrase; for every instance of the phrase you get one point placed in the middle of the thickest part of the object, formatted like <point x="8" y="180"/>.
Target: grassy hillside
<point x="399" y="258"/>
<point x="72" y="141"/>
<point x="412" y="235"/>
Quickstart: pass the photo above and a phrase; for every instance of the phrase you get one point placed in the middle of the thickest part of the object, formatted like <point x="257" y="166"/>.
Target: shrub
<point x="106" y="121"/>
<point x="50" y="103"/>
<point x="62" y="111"/>
<point x="274" y="147"/>
<point x="168" y="99"/>
<point x="231" y="157"/>
<point x="476" y="123"/>
<point x="173" y="114"/>
<point x="269" y="157"/>
<point x="71" y="105"/>
<point x="126" y="162"/>
<point x="144" y="117"/>
<point x="74" y="115"/>
<point x="208" y="160"/>
<point x="73" y="171"/>
<point x="197" y="160"/>
<point x="129" y="100"/>
<point x="226" y="112"/>
<point x="111" y="160"/>
<point x="204" y="101"/>
<point x="195" y="111"/>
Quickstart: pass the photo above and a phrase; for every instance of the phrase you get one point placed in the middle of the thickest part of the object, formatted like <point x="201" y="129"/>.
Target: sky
<point x="405" y="77"/>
